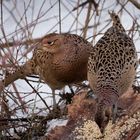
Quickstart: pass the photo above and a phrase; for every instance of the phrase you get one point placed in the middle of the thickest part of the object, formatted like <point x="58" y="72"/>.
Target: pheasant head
<point x="102" y="115"/>
<point x="51" y="43"/>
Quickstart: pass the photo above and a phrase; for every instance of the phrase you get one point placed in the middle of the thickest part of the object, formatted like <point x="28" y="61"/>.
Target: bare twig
<point x="60" y="16"/>
<point x="135" y="3"/>
<point x="80" y="5"/>
<point x="38" y="95"/>
<point x="15" y="43"/>
<point x="20" y="73"/>
<point x="87" y="20"/>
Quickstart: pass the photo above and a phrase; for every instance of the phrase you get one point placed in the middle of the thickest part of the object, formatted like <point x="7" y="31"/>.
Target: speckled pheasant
<point x="59" y="59"/>
<point x="111" y="70"/>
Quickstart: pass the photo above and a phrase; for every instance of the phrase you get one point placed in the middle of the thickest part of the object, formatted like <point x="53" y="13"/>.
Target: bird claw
<point x="121" y="112"/>
<point x="117" y="113"/>
<point x="67" y="97"/>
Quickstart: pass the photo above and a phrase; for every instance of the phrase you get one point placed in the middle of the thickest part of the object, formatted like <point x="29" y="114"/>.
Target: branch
<point x="135" y="3"/>
<point x="81" y="5"/>
<point x="26" y="42"/>
<point x="87" y="21"/>
<point x="20" y="73"/>
<point x="50" y="116"/>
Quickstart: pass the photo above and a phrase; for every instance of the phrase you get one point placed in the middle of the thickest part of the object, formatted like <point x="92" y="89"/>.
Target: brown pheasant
<point x="59" y="59"/>
<point x="111" y="70"/>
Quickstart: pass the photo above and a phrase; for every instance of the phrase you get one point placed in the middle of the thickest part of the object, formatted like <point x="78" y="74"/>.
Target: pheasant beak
<point x="102" y="130"/>
<point x="102" y="125"/>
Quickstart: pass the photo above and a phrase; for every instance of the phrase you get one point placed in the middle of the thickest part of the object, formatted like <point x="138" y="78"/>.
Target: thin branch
<point x="135" y="3"/>
<point x="96" y="5"/>
<point x="38" y="95"/>
<point x="80" y="5"/>
<point x="60" y="16"/>
<point x="26" y="42"/>
<point x="50" y="116"/>
<point x="2" y="25"/>
<point x="87" y="20"/>
<point x="20" y="73"/>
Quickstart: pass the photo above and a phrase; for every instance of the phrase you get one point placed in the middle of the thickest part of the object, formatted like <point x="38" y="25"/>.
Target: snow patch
<point x="56" y="122"/>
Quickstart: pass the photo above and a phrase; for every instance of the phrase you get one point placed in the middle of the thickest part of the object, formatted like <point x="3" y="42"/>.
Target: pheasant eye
<point x="50" y="42"/>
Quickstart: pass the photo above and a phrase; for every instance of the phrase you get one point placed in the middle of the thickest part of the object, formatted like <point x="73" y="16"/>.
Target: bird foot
<point x="119" y="113"/>
<point x="66" y="96"/>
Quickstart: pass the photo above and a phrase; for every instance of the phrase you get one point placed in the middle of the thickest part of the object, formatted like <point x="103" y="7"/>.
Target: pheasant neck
<point x="107" y="95"/>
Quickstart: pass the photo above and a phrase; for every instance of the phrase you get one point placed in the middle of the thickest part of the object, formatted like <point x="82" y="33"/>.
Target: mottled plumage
<point x="111" y="70"/>
<point x="61" y="59"/>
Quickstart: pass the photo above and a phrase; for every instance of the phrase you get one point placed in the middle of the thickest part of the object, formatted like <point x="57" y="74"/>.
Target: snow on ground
<point x="56" y="122"/>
